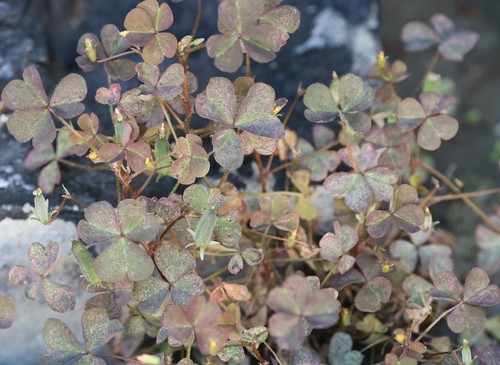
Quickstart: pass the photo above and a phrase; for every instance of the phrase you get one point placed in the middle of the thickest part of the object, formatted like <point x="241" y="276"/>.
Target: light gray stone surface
<point x="22" y="343"/>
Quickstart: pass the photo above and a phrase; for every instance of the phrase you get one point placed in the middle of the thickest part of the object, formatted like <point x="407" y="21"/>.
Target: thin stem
<point x="434" y="60"/>
<point x="383" y="339"/>
<point x="248" y="71"/>
<point x="57" y="264"/>
<point x="167" y="117"/>
<point x="177" y="183"/>
<point x="197" y="48"/>
<point x="429" y="327"/>
<point x="144" y="185"/>
<point x="188" y="350"/>
<point x="54" y="217"/>
<point x="466" y="200"/>
<point x="305" y="157"/>
<point x="208" y="182"/>
<point x="81" y="166"/>
<point x="223" y="178"/>
<point x="74" y="131"/>
<point x="197" y="20"/>
<point x="347" y="142"/>
<point x="262" y="174"/>
<point x="170" y="226"/>
<point x="215" y="274"/>
<point x="118" y="190"/>
<point x="75" y="200"/>
<point x="273" y="353"/>
<point x="474" y="194"/>
<point x="298" y="95"/>
<point x="332" y="272"/>
<point x="116" y="56"/>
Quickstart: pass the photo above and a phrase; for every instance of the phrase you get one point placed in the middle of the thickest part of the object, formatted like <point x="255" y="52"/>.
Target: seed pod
<point x="204" y="229"/>
<point x="86" y="262"/>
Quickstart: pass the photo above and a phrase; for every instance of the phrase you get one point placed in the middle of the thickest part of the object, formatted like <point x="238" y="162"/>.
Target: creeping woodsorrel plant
<point x="210" y="273"/>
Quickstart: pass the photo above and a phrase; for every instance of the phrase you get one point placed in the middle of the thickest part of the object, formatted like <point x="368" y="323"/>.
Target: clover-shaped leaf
<point x="94" y="51"/>
<point x="373" y="294"/>
<point x="321" y="162"/>
<point x="200" y="198"/>
<point x="396" y="144"/>
<point x="88" y="134"/>
<point x="429" y="115"/>
<point x="176" y="265"/>
<point x="122" y="228"/>
<point x="199" y="320"/>
<point x="254" y="114"/>
<point x="276" y="211"/>
<point x="150" y="294"/>
<point x="61" y="298"/>
<point x="489" y="243"/>
<point x="298" y="306"/>
<point x="158" y="86"/>
<point x="360" y="189"/>
<point x="337" y="246"/>
<point x="7" y="309"/>
<point x="167" y="85"/>
<point x="348" y="97"/>
<point x="136" y="153"/>
<point x="402" y="211"/>
<point x="50" y="175"/>
<point x="65" y="347"/>
<point x="145" y="28"/>
<point x="32" y="109"/>
<point x="192" y="159"/>
<point x="340" y="350"/>
<point x="453" y="44"/>
<point x="247" y="26"/>
<point x="112" y="298"/>
<point x="475" y="293"/>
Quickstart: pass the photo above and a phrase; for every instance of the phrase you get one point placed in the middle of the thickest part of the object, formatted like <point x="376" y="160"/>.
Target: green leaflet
<point x="86" y="263"/>
<point x="204" y="229"/>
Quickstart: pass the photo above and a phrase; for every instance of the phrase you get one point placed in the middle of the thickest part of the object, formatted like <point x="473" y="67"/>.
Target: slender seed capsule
<point x="86" y="262"/>
<point x="204" y="229"/>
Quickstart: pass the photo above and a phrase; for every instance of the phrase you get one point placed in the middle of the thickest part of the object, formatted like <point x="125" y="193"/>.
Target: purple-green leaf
<point x="59" y="297"/>
<point x="337" y="246"/>
<point x="92" y="50"/>
<point x="453" y="44"/>
<point x="298" y="306"/>
<point x="276" y="211"/>
<point x="98" y="329"/>
<point x="145" y="25"/>
<point x="418" y="36"/>
<point x="340" y="350"/>
<point x="192" y="161"/>
<point x="176" y="265"/>
<point x="62" y="342"/>
<point x="218" y="101"/>
<point x="373" y="294"/>
<point x="7" y="309"/>
<point x="228" y="151"/>
<point x="477" y="292"/>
